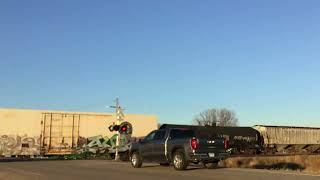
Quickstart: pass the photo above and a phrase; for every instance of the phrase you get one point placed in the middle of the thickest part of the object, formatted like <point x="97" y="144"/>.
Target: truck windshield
<point x="181" y="133"/>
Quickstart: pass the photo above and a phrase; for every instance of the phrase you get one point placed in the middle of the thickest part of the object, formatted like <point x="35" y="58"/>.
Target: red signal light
<point x="226" y="144"/>
<point x="194" y="143"/>
<point x="123" y="129"/>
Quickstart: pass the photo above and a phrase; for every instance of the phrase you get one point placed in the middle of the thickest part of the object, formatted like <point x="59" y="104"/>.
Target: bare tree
<point x="208" y="117"/>
<point x="227" y="118"/>
<point x="216" y="117"/>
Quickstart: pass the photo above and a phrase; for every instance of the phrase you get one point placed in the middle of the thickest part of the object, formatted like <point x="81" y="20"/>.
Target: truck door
<point x="158" y="153"/>
<point x="146" y="146"/>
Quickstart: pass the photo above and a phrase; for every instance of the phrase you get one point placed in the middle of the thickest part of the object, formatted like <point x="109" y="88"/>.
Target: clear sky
<point x="169" y="58"/>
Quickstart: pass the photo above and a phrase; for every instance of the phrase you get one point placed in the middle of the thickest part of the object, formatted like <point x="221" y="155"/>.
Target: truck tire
<point x="179" y="160"/>
<point x="211" y="165"/>
<point x="136" y="160"/>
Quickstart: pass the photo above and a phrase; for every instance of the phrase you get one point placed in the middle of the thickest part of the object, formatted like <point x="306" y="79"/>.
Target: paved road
<point x="102" y="169"/>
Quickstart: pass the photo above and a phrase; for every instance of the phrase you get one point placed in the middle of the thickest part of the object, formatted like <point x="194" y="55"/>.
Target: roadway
<point x="103" y="169"/>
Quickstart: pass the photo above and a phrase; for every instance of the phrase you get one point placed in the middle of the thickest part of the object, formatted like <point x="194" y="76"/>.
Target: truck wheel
<point x="179" y="161"/>
<point x="211" y="165"/>
<point x="136" y="160"/>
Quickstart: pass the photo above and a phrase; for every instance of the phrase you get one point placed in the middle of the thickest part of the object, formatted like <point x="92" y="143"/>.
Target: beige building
<point x="24" y="131"/>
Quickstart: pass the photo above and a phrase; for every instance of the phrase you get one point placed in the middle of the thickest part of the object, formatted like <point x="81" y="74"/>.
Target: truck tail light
<point x="226" y="144"/>
<point x="194" y="143"/>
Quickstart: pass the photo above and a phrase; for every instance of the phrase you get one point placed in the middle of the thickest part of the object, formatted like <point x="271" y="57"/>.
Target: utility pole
<point x="120" y="117"/>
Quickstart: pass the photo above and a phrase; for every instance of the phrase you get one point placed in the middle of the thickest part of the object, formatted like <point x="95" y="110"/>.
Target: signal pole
<point x="120" y="117"/>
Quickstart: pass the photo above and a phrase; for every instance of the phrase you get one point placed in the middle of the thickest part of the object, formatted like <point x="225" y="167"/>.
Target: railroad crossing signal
<point x="123" y="128"/>
<point x="120" y="116"/>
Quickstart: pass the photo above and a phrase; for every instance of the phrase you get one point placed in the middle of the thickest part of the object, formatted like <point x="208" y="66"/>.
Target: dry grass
<point x="303" y="163"/>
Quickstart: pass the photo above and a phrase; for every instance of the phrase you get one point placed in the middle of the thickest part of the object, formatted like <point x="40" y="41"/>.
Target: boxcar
<point x="42" y="132"/>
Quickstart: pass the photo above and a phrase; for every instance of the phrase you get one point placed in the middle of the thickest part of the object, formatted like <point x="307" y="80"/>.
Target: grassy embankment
<point x="302" y="163"/>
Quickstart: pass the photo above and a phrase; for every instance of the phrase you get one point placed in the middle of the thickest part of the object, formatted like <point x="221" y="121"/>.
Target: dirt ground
<point x="302" y="163"/>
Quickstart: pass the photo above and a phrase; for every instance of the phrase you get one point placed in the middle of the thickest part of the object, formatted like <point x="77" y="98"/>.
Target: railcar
<point x="50" y="133"/>
<point x="289" y="139"/>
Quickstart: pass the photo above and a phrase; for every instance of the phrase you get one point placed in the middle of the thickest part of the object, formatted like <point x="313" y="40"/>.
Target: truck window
<point x="159" y="135"/>
<point x="150" y="136"/>
<point x="180" y="133"/>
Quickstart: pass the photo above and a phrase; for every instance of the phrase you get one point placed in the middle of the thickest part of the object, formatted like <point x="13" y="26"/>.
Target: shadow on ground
<point x="190" y="167"/>
<point x="150" y="166"/>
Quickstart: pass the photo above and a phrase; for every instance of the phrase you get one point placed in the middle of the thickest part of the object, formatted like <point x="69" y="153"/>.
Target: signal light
<point x="194" y="143"/>
<point x="123" y="128"/>
<point x="114" y="127"/>
<point x="226" y="144"/>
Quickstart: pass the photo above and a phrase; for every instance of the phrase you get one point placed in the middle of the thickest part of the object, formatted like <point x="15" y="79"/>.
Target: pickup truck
<point x="179" y="146"/>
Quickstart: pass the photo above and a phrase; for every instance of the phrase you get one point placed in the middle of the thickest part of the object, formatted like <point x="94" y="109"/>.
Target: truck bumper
<point x="208" y="157"/>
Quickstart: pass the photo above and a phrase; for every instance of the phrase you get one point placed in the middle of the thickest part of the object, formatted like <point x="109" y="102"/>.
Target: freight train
<point x="262" y="139"/>
<point x="46" y="133"/>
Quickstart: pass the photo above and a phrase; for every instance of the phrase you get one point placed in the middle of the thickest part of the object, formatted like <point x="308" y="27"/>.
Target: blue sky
<point x="170" y="58"/>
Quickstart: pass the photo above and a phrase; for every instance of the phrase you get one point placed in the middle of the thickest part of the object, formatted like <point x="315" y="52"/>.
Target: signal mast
<point x="120" y="118"/>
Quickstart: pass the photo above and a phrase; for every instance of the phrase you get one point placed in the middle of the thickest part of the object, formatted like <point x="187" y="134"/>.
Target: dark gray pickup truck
<point x="179" y="146"/>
